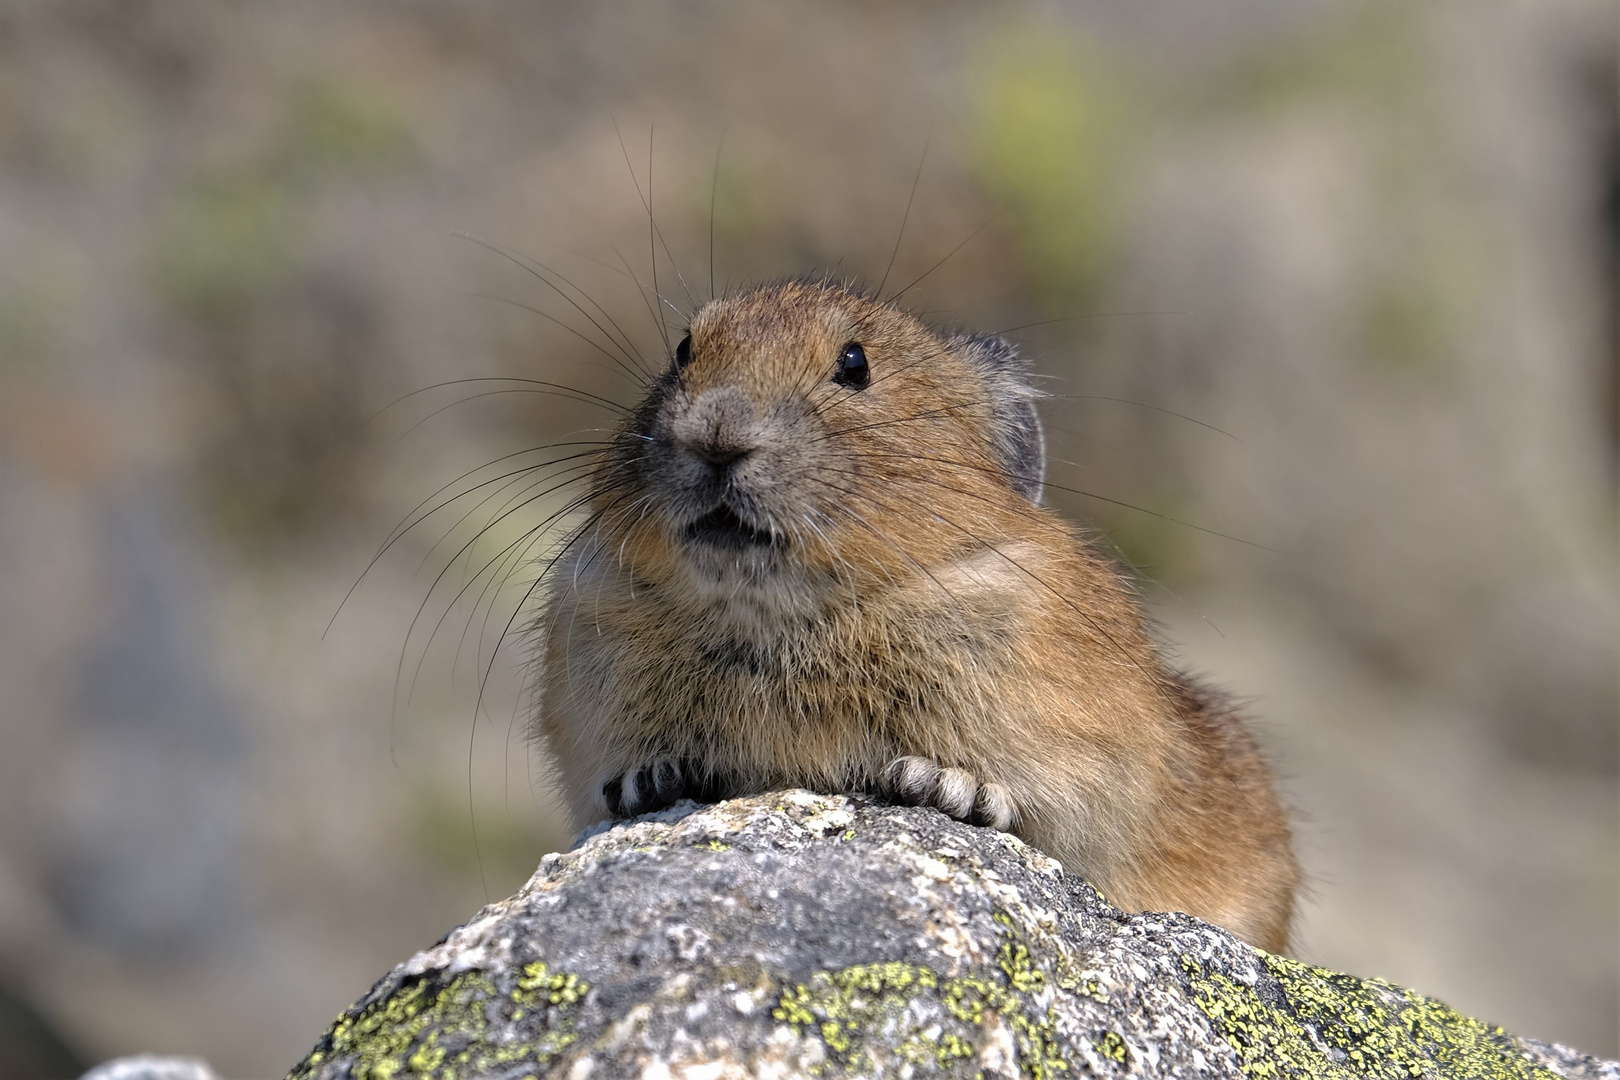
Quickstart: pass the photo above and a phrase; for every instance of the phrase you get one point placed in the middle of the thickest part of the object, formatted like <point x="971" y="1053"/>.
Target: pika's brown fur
<point x="794" y="576"/>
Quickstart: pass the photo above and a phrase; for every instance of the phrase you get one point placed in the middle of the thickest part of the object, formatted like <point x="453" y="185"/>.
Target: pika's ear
<point x="1016" y="433"/>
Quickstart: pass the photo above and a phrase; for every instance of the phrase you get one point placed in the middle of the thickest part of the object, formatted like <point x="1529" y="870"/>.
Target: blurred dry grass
<point x="1373" y="244"/>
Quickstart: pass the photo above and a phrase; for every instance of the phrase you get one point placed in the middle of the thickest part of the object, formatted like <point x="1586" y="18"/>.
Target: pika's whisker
<point x="637" y="377"/>
<point x="406" y="524"/>
<point x="523" y="497"/>
<point x="538" y="270"/>
<point x="433" y="588"/>
<point x="554" y="389"/>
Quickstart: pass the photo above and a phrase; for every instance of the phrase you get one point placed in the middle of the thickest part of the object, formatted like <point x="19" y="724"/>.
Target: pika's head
<point x="805" y="429"/>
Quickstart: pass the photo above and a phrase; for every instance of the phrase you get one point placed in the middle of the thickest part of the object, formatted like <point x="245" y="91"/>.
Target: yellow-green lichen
<point x="1111" y="1045"/>
<point x="442" y="1030"/>
<point x="1021" y="972"/>
<point x="558" y="988"/>
<point x="1335" y="1026"/>
<point x="1073" y="982"/>
<point x="1071" y="978"/>
<point x="847" y="1006"/>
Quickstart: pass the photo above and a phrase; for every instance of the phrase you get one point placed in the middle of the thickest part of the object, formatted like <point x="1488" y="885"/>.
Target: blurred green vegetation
<point x="1154" y="543"/>
<point x="1371" y="63"/>
<point x="227" y="240"/>
<point x="739" y="195"/>
<point x="1063" y="131"/>
<point x="1371" y="54"/>
<point x="233" y="235"/>
<point x="29" y="314"/>
<point x="462" y="842"/>
<point x="1060" y="130"/>
<point x="1405" y="323"/>
<point x="346" y="128"/>
<point x="277" y="332"/>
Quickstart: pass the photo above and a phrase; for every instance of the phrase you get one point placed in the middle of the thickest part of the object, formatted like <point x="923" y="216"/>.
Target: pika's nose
<point x="720" y="454"/>
<point x="719" y="427"/>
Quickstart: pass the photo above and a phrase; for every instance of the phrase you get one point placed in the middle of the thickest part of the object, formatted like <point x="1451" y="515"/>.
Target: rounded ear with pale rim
<point x="1016" y="433"/>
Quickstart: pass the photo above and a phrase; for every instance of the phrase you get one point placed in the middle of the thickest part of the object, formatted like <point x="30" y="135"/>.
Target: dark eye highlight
<point x="683" y="352"/>
<point x="853" y="371"/>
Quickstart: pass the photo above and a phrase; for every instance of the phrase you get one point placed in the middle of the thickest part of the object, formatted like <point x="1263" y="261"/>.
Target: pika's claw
<point x="917" y="781"/>
<point x="646" y="788"/>
<point x="994" y="807"/>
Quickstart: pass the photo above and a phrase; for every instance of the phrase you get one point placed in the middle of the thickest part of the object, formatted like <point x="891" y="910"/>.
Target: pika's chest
<point x="649" y="668"/>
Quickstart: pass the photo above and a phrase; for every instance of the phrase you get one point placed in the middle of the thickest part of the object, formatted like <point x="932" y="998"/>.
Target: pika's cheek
<point x="783" y="477"/>
<point x="762" y="476"/>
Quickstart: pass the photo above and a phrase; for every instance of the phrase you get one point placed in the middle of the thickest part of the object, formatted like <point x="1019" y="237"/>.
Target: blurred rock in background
<point x="1338" y="281"/>
<point x="150" y="857"/>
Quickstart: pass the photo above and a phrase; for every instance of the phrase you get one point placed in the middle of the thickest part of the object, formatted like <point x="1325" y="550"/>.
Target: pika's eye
<point x="683" y="352"/>
<point x="852" y="369"/>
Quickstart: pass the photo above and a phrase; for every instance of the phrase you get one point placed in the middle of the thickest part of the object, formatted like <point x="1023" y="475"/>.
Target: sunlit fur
<point x="915" y="601"/>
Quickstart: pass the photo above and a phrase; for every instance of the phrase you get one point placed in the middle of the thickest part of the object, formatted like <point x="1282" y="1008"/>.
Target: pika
<point x="815" y="556"/>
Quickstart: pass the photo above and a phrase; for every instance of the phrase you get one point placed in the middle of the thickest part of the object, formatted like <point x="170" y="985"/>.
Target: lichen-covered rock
<point x="794" y="934"/>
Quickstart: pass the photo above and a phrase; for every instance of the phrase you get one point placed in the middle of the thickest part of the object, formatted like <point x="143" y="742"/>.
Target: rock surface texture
<point x="794" y="934"/>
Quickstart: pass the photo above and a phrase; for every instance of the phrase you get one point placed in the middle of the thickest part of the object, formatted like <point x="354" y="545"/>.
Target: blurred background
<point x="1336" y="280"/>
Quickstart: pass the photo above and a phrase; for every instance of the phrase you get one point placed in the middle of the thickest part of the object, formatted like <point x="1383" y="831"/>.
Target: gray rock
<point x="152" y="1067"/>
<point x="793" y="934"/>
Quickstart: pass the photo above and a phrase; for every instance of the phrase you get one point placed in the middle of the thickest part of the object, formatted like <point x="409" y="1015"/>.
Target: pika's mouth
<point x="721" y="527"/>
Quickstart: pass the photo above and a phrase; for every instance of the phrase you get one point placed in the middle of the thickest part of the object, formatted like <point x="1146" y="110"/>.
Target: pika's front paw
<point x="917" y="781"/>
<point x="646" y="788"/>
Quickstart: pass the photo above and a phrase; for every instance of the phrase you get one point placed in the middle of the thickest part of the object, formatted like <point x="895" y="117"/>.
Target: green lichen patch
<point x="1310" y="1022"/>
<point x="1111" y="1045"/>
<point x="845" y="1005"/>
<point x="868" y="1012"/>
<point x="440" y="1029"/>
